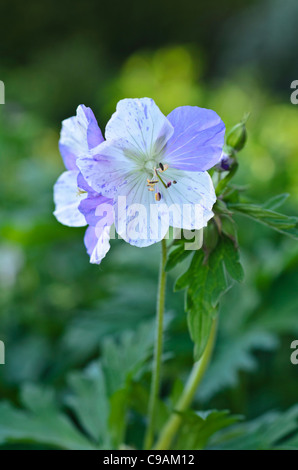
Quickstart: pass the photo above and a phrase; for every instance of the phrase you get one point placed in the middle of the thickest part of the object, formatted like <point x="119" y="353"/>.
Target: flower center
<point x="157" y="179"/>
<point x="150" y="165"/>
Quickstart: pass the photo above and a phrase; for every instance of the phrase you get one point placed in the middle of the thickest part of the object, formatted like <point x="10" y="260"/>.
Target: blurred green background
<point x="55" y="308"/>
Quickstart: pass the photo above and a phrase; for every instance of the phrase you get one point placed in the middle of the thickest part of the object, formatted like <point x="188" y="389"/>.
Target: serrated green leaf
<point x="100" y="410"/>
<point x="183" y="281"/>
<point x="90" y="403"/>
<point x="272" y="431"/>
<point x="176" y="256"/>
<point x="198" y="427"/>
<point x="276" y="201"/>
<point x="206" y="281"/>
<point x="123" y="360"/>
<point x="279" y="222"/>
<point x="51" y="428"/>
<point x="232" y="260"/>
<point x="38" y="400"/>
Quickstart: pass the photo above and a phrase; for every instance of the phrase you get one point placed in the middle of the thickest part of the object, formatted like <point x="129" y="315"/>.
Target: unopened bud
<point x="237" y="136"/>
<point x="226" y="163"/>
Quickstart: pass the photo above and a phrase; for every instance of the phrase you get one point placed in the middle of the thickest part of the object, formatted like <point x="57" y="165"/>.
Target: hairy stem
<point x="155" y="385"/>
<point x="171" y="427"/>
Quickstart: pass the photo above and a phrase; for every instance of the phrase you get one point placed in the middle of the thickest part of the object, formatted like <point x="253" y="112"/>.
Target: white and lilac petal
<point x="197" y="141"/>
<point x="79" y="134"/>
<point x="190" y="200"/>
<point x="138" y="219"/>
<point x="97" y="243"/>
<point x="105" y="168"/>
<point x="67" y="198"/>
<point x="84" y="186"/>
<point x="97" y="210"/>
<point x="139" y="127"/>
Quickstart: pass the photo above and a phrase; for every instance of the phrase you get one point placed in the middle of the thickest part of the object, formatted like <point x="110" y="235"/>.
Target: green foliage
<point x="62" y="319"/>
<point x="273" y="431"/>
<point x="280" y="222"/>
<point x="89" y="401"/>
<point x="210" y="274"/>
<point x="198" y="427"/>
<point x="98" y="397"/>
<point x="207" y="279"/>
<point x="177" y="255"/>
<point x="234" y="354"/>
<point x="124" y="360"/>
<point x="267" y="312"/>
<point x="44" y="424"/>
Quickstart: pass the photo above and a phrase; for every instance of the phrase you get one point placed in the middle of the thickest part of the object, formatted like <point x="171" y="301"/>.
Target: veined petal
<point x="79" y="134"/>
<point x="97" y="210"/>
<point x="82" y="184"/>
<point x="67" y="198"/>
<point x="105" y="168"/>
<point x="97" y="243"/>
<point x="190" y="200"/>
<point x="139" y="127"/>
<point x="198" y="139"/>
<point x="138" y="219"/>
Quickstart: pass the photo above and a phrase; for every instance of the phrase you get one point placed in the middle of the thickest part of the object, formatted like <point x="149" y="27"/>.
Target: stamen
<point x="80" y="192"/>
<point x="154" y="181"/>
<point x="162" y="167"/>
<point x="160" y="178"/>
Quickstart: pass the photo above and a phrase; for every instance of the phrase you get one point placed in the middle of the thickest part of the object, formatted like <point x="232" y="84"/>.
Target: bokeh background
<point x="235" y="57"/>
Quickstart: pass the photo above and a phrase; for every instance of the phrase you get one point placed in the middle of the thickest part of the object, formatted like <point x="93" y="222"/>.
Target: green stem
<point x="155" y="385"/>
<point x="197" y="373"/>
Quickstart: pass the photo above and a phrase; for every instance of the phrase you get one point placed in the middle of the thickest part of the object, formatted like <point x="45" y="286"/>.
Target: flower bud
<point x="237" y="136"/>
<point x="226" y="162"/>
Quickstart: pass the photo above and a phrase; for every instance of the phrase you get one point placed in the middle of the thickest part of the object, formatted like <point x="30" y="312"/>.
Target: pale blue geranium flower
<point x="150" y="172"/>
<point x="156" y="162"/>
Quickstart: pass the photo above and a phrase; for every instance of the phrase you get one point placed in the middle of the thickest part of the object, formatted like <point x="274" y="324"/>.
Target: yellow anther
<point x="80" y="192"/>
